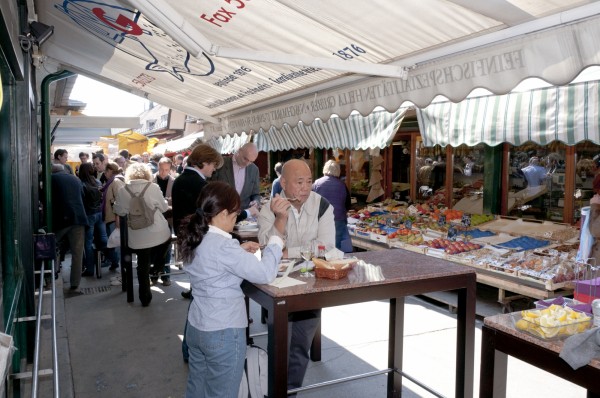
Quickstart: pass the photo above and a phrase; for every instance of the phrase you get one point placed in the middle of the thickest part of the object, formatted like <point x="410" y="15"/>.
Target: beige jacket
<point x="111" y="197"/>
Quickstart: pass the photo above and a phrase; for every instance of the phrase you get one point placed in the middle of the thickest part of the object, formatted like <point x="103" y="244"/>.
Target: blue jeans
<point x="95" y="229"/>
<point x="216" y="362"/>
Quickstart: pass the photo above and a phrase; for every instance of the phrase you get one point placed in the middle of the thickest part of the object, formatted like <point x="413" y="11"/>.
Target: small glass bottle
<point x="321" y="251"/>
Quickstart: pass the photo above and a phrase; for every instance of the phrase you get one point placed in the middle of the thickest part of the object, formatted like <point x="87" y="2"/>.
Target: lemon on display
<point x="531" y="313"/>
<point x="553" y="321"/>
<point x="522" y="324"/>
<point x="561" y="315"/>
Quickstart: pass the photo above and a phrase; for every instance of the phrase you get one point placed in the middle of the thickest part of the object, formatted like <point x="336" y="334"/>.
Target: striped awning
<point x="228" y="143"/>
<point x="355" y="132"/>
<point x="568" y="114"/>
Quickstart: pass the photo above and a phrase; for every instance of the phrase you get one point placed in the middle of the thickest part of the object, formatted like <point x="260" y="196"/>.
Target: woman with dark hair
<point x="217" y="264"/>
<point x="115" y="180"/>
<point x="92" y="202"/>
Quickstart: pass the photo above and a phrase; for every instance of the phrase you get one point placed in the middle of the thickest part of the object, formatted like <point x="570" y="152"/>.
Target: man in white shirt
<point x="300" y="215"/>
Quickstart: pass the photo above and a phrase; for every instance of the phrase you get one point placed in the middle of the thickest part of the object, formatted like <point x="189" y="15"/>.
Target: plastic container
<point x="596" y="311"/>
<point x="550" y="328"/>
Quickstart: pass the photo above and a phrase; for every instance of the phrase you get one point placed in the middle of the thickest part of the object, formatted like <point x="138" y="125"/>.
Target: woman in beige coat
<point x="149" y="243"/>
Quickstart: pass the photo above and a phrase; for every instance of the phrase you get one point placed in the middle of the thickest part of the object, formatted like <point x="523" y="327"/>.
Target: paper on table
<point x="285" y="281"/>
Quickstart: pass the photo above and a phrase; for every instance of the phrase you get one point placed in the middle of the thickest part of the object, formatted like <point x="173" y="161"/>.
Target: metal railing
<point x="35" y="374"/>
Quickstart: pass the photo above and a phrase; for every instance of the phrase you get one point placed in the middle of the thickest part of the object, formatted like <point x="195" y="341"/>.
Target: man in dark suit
<point x="240" y="172"/>
<point x="69" y="218"/>
<point x="201" y="164"/>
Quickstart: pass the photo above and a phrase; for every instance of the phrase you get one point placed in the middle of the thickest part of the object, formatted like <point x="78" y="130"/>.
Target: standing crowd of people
<point x="200" y="198"/>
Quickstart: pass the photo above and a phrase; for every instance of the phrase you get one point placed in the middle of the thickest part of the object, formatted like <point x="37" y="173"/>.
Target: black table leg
<point x="315" y="348"/>
<point x="277" y="324"/>
<point x="465" y="340"/>
<point x="395" y="347"/>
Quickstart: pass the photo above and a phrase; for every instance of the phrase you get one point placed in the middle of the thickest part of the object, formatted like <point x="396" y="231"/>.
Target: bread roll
<point x="320" y="263"/>
<point x="334" y="264"/>
<point x="343" y="261"/>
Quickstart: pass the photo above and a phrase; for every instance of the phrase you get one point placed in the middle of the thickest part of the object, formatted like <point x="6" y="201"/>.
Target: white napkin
<point x="334" y="254"/>
<point x="285" y="281"/>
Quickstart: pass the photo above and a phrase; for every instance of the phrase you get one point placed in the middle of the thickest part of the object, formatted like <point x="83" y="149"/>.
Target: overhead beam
<point x="498" y="10"/>
<point x="86" y="122"/>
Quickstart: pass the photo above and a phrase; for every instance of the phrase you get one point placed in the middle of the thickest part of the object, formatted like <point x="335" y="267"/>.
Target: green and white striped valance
<point x="356" y="132"/>
<point x="568" y="113"/>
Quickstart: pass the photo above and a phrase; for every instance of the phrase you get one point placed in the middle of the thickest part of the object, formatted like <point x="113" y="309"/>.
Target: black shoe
<point x="87" y="273"/>
<point x="187" y="294"/>
<point x="113" y="267"/>
<point x="153" y="281"/>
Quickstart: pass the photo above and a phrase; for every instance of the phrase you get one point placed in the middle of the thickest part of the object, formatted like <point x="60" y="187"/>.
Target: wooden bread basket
<point x="336" y="269"/>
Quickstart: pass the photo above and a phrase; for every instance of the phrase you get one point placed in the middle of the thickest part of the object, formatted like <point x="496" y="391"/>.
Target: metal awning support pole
<point x="46" y="167"/>
<point x="47" y="189"/>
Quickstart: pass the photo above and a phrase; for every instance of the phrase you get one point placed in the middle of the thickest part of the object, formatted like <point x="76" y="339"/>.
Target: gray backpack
<point x="140" y="215"/>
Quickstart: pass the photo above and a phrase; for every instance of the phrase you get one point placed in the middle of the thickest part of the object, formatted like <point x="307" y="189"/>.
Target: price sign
<point x="452" y="232"/>
<point x="466" y="220"/>
<point x="408" y="224"/>
<point x="442" y="220"/>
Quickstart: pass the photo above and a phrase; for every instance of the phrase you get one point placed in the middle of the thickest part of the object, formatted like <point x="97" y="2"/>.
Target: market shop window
<point x="430" y="168"/>
<point x="468" y="173"/>
<point x="587" y="162"/>
<point x="536" y="181"/>
<point x="359" y="172"/>
<point x="339" y="156"/>
<point x="366" y="175"/>
<point x="401" y="170"/>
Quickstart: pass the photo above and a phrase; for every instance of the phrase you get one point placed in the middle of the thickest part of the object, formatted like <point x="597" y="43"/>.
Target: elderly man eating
<point x="299" y="215"/>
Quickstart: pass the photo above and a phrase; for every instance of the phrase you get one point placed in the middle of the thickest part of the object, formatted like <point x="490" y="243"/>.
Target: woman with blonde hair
<point x="150" y="241"/>
<point x="114" y="182"/>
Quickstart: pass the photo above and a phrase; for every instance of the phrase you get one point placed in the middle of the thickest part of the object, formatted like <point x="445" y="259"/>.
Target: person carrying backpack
<point x="149" y="235"/>
<point x="217" y="264"/>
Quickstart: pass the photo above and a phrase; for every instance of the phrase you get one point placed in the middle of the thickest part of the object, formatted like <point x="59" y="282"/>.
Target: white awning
<point x="248" y="65"/>
<point x="355" y="132"/>
<point x="569" y="114"/>
<point x="180" y="144"/>
<point x="229" y="143"/>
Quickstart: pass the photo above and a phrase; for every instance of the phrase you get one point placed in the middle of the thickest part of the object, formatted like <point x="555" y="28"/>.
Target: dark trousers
<point x="144" y="259"/>
<point x="301" y="331"/>
<point x="159" y="259"/>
